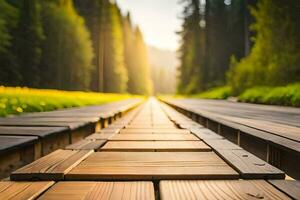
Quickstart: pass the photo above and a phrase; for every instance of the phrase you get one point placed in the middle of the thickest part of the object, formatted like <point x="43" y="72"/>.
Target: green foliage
<point x="225" y="29"/>
<point x="215" y="93"/>
<point x="115" y="72"/>
<point x="191" y="51"/>
<point x="138" y="66"/>
<point x="275" y="56"/>
<point x="67" y="49"/>
<point x="28" y="37"/>
<point x="9" y="69"/>
<point x="19" y="100"/>
<point x="7" y="20"/>
<point x="211" y="33"/>
<point x="285" y="95"/>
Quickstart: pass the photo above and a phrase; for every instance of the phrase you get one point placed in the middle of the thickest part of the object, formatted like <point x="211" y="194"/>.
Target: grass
<point x="285" y="95"/>
<point x="215" y="93"/>
<point x="16" y="100"/>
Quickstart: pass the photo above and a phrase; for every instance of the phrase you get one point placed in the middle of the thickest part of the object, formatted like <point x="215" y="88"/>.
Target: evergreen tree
<point x="112" y="51"/>
<point x="91" y="11"/>
<point x="129" y="45"/>
<point x="27" y="42"/>
<point x="67" y="49"/>
<point x="275" y="57"/>
<point x="139" y="82"/>
<point x="225" y="26"/>
<point x="10" y="73"/>
<point x="191" y="70"/>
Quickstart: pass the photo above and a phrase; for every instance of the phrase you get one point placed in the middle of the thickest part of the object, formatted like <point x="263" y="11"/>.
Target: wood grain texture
<point x="205" y="134"/>
<point x="154" y="137"/>
<point x="151" y="166"/>
<point x="31" y="131"/>
<point x="100" y="136"/>
<point x="222" y="144"/>
<point x="70" y="125"/>
<point x="100" y="191"/>
<point x="8" y="143"/>
<point x="51" y="167"/>
<point x="10" y="190"/>
<point x="162" y="126"/>
<point x="219" y="189"/>
<point x="86" y="145"/>
<point x="250" y="166"/>
<point x="155" y="146"/>
<point x="154" y="130"/>
<point x="289" y="187"/>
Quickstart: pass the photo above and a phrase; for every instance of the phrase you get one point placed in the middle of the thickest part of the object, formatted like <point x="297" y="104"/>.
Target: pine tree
<point x="67" y="49"/>
<point x="10" y="73"/>
<point x="191" y="70"/>
<point x="140" y="79"/>
<point x="112" y="51"/>
<point x="28" y="38"/>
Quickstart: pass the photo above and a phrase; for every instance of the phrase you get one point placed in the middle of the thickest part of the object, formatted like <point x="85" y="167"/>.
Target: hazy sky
<point x="158" y="20"/>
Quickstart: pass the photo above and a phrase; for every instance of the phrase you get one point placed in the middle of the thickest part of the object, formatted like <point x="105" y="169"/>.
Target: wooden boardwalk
<point x="270" y="132"/>
<point x="28" y="137"/>
<point x="150" y="153"/>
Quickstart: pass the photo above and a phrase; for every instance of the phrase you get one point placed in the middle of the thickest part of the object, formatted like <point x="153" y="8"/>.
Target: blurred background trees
<point x="91" y="45"/>
<point x="247" y="43"/>
<point x="71" y="45"/>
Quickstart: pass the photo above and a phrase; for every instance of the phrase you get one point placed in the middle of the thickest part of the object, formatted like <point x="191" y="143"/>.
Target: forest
<point x="72" y="45"/>
<point x="239" y="44"/>
<point x="227" y="48"/>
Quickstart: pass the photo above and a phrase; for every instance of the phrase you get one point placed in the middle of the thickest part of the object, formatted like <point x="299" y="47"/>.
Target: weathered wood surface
<point x="142" y="146"/>
<point x="153" y="137"/>
<point x="222" y="144"/>
<point x="219" y="189"/>
<point x="100" y="191"/>
<point x="250" y="166"/>
<point x="23" y="190"/>
<point x="206" y="134"/>
<point x="100" y="136"/>
<point x="70" y="125"/>
<point x="151" y="166"/>
<point x="86" y="145"/>
<point x="51" y="167"/>
<point x="277" y="120"/>
<point x="155" y="130"/>
<point x="144" y="126"/>
<point x="31" y="131"/>
<point x="8" y="143"/>
<point x="289" y="187"/>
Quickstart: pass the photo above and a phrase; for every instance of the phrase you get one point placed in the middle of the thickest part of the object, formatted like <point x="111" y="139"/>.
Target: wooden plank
<point x="51" y="167"/>
<point x="100" y="190"/>
<point x="222" y="144"/>
<point x="23" y="190"/>
<point x="205" y="134"/>
<point x="151" y="166"/>
<point x="155" y="130"/>
<point x="17" y="151"/>
<point x="289" y="187"/>
<point x="86" y="145"/>
<point x="190" y="126"/>
<point x="250" y="166"/>
<point x="31" y="131"/>
<point x="155" y="146"/>
<point x="55" y="119"/>
<point x="154" y="137"/>
<point x="8" y="143"/>
<point x="70" y="125"/>
<point x="150" y="126"/>
<point x="100" y="136"/>
<point x="219" y="189"/>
